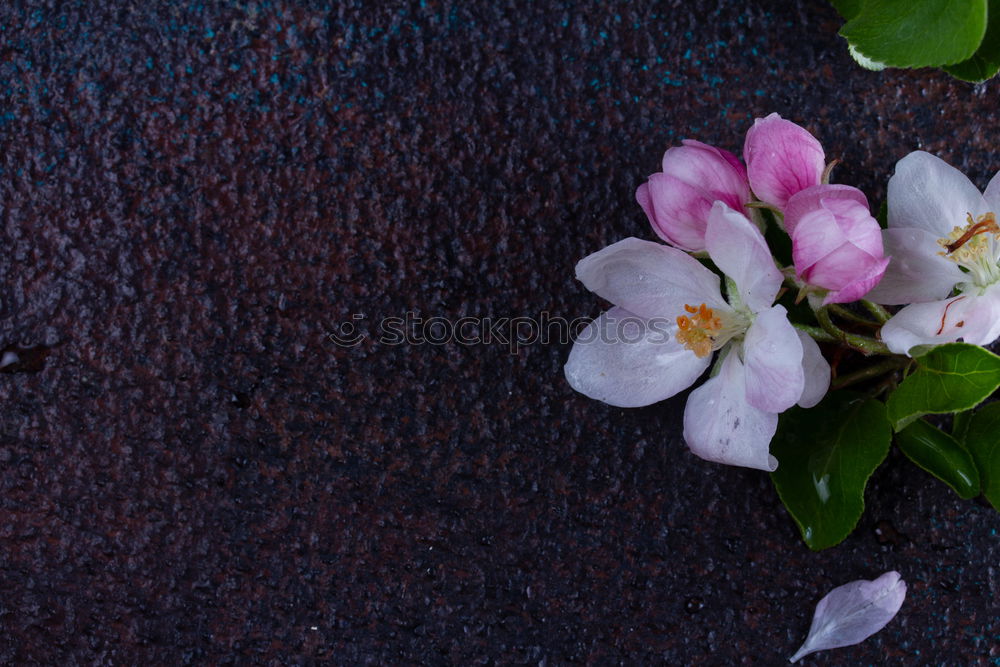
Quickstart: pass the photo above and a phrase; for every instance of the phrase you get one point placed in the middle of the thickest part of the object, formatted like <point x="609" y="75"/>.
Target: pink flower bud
<point x="782" y="159"/>
<point x="678" y="199"/>
<point x="836" y="243"/>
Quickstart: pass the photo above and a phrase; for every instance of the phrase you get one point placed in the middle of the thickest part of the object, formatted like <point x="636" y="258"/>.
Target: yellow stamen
<point x="966" y="244"/>
<point x="697" y="332"/>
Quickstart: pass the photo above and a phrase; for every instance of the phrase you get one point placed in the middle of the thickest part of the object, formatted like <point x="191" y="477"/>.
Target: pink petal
<point x="782" y="159"/>
<point x="649" y="279"/>
<point x="916" y="272"/>
<point x="852" y="613"/>
<point x="816" y="371"/>
<point x="860" y="285"/>
<point x="739" y="250"/>
<point x="772" y="354"/>
<point x="720" y="426"/>
<point x="627" y="361"/>
<point x="716" y="172"/>
<point x="677" y="211"/>
<point x="811" y="199"/>
<point x="927" y="192"/>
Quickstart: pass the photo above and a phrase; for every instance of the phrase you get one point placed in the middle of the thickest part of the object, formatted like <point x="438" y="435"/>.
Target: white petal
<point x="992" y="194"/>
<point x="929" y="193"/>
<point x="772" y="353"/>
<point x="627" y="361"/>
<point x="916" y="271"/>
<point x="719" y="424"/>
<point x="974" y="319"/>
<point x="649" y="279"/>
<point x="739" y="250"/>
<point x="852" y="613"/>
<point x="816" y="370"/>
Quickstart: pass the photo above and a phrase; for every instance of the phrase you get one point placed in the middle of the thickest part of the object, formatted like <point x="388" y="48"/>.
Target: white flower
<point x="670" y="316"/>
<point x="944" y="242"/>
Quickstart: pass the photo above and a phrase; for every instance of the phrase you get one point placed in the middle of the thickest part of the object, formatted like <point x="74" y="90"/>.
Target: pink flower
<point x="782" y="159"/>
<point x="836" y="243"/>
<point x="678" y="199"/>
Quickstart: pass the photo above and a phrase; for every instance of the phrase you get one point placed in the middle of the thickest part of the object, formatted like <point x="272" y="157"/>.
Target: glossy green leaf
<point x="985" y="62"/>
<point x="941" y="455"/>
<point x="825" y="456"/>
<point x="983" y="441"/>
<point x="847" y="8"/>
<point x="917" y="33"/>
<point x="949" y="378"/>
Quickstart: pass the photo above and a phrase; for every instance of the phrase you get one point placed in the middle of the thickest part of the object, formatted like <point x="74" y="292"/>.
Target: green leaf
<point x="983" y="442"/>
<point x="847" y="8"/>
<point x="825" y="456"/>
<point x="940" y="454"/>
<point x="949" y="378"/>
<point x="917" y="33"/>
<point x="985" y="62"/>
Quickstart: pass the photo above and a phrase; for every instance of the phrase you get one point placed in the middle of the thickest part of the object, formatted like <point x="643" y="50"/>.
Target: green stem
<point x="880" y="313"/>
<point x="850" y="315"/>
<point x="816" y="333"/>
<point x="869" y="372"/>
<point x="864" y="344"/>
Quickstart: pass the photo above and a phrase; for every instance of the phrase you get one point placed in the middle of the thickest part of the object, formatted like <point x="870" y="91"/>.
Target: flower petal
<point x="739" y="250"/>
<point x="992" y="194"/>
<point x="715" y="171"/>
<point x="720" y="426"/>
<point x="861" y="284"/>
<point x="927" y="192"/>
<point x="852" y="613"/>
<point x="812" y="199"/>
<point x="916" y="272"/>
<point x="782" y="159"/>
<point x="973" y="318"/>
<point x="627" y="361"/>
<point x="816" y="371"/>
<point x="649" y="279"/>
<point x="677" y="211"/>
<point x="772" y="353"/>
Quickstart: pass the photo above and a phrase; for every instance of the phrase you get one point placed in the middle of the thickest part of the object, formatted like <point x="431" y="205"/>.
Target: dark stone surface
<point x="194" y="194"/>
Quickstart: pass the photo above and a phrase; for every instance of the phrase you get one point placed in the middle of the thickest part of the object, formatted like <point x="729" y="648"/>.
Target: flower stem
<point x="869" y="372"/>
<point x="864" y="344"/>
<point x="850" y="315"/>
<point x="880" y="313"/>
<point x="817" y="334"/>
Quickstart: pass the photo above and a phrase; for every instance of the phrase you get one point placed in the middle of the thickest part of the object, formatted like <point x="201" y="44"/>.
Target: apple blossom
<point x="681" y="316"/>
<point x="836" y="243"/>
<point x="678" y="199"/>
<point x="782" y="159"/>
<point x="944" y="242"/>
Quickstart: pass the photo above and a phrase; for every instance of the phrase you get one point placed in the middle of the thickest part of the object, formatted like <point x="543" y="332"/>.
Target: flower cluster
<point x="939" y="258"/>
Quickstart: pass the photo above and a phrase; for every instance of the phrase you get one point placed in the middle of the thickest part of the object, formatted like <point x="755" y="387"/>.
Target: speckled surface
<point x="194" y="194"/>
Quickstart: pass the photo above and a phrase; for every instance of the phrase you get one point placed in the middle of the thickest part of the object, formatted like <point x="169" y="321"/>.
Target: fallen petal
<point x="852" y="613"/>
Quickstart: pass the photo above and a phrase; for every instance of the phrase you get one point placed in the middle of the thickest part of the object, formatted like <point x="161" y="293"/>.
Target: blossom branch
<point x="864" y="344"/>
<point x="890" y="365"/>
<point x="880" y="313"/>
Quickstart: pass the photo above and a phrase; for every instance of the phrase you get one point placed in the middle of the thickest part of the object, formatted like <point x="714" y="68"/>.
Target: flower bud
<point x="782" y="159"/>
<point x="678" y="199"/>
<point x="836" y="243"/>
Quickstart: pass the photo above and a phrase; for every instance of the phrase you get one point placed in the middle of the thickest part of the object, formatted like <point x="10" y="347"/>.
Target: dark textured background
<point x="194" y="194"/>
